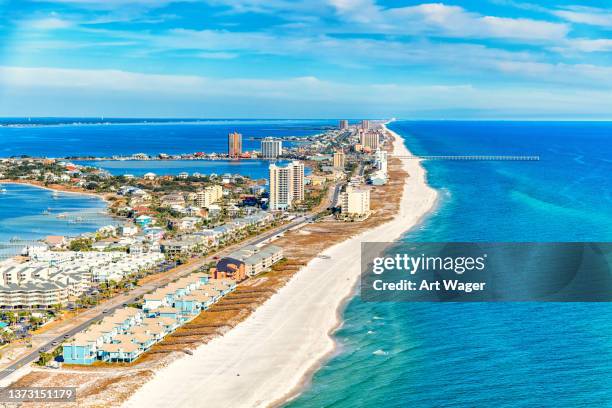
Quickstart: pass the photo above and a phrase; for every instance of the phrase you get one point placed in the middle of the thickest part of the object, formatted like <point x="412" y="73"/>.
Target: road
<point x="44" y="341"/>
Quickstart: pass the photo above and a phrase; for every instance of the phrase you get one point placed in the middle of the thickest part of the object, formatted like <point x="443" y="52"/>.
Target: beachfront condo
<point x="355" y="202"/>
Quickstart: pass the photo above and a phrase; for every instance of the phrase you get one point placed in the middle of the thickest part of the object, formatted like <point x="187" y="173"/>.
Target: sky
<point x="486" y="59"/>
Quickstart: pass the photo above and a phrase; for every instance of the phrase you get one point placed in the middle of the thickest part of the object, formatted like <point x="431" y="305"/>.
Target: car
<point x="105" y="311"/>
<point x="66" y="336"/>
<point x="55" y="343"/>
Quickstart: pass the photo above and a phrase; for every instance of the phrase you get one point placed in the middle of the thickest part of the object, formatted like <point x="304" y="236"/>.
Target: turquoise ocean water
<point x="488" y="354"/>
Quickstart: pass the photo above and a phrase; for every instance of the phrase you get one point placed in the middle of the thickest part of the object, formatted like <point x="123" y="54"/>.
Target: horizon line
<point x="179" y="118"/>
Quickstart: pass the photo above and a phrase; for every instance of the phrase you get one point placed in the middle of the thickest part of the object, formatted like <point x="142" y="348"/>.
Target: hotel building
<point x="343" y="124"/>
<point x="234" y="144"/>
<point x="365" y="124"/>
<point x="271" y="148"/>
<point x="286" y="185"/>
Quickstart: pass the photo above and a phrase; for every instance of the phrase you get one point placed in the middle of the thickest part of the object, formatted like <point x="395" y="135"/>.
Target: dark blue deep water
<point x="88" y="137"/>
<point x="488" y="354"/>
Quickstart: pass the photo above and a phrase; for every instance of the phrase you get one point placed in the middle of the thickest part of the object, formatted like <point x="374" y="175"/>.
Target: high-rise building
<point x="280" y="187"/>
<point x="343" y="124"/>
<point x="355" y="201"/>
<point x="339" y="160"/>
<point x="234" y="144"/>
<point x="298" y="180"/>
<point x="370" y="140"/>
<point x="271" y="148"/>
<point x="365" y="124"/>
<point x="286" y="185"/>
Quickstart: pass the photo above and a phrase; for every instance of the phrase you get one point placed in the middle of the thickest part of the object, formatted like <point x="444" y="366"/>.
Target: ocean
<point x="488" y="354"/>
<point x="24" y="218"/>
<point x="65" y="137"/>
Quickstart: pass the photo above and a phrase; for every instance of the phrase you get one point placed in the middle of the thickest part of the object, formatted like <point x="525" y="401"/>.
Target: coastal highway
<point x="45" y="341"/>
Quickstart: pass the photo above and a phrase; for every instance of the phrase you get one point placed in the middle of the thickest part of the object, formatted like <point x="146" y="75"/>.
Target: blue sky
<point x="319" y="58"/>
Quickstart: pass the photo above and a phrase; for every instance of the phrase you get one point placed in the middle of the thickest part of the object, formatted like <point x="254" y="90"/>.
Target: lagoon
<point x="23" y="215"/>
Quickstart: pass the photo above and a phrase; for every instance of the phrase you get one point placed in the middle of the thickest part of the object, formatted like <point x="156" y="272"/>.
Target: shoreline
<point x="105" y="203"/>
<point x="316" y="366"/>
<point x="268" y="359"/>
<point x="58" y="189"/>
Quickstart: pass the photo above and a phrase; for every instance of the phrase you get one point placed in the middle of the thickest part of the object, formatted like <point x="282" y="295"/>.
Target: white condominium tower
<point x="355" y="201"/>
<point x="271" y="148"/>
<point x="298" y="180"/>
<point x="286" y="185"/>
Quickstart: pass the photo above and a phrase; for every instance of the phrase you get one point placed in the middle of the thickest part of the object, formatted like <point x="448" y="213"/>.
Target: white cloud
<point x="47" y="23"/>
<point x="587" y="45"/>
<point x="437" y="19"/>
<point x="442" y="20"/>
<point x="217" y="55"/>
<point x="586" y="15"/>
<point x="130" y="93"/>
<point x="115" y="4"/>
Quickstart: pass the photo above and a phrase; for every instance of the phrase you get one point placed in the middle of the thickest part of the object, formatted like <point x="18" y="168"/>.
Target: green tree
<point x="81" y="244"/>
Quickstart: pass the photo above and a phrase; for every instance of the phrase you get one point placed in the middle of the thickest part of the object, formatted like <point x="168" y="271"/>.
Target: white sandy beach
<point x="266" y="358"/>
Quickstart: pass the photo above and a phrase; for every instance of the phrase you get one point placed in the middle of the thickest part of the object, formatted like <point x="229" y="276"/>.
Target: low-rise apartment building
<point x="129" y="332"/>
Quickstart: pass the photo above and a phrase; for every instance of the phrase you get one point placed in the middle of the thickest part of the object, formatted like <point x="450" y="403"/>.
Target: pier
<point x="477" y="158"/>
